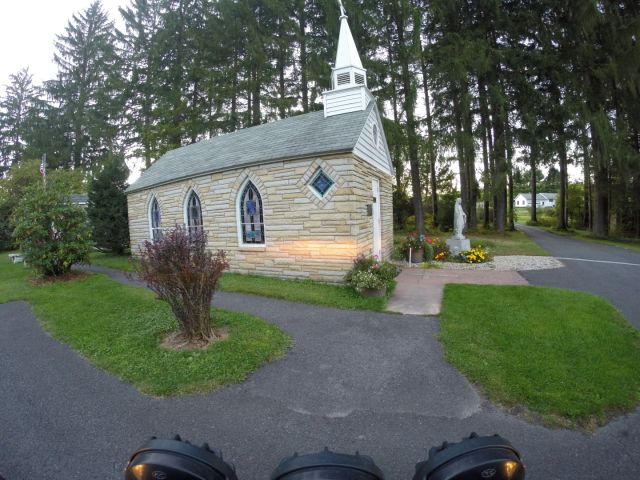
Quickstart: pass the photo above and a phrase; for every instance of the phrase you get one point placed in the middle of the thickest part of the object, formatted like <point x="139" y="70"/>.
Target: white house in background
<point x="543" y="200"/>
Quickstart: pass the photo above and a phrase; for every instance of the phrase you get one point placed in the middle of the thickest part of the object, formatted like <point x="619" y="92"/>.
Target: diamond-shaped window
<point x="321" y="183"/>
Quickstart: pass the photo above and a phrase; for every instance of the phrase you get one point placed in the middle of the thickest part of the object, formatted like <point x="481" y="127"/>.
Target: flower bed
<point x="369" y="273"/>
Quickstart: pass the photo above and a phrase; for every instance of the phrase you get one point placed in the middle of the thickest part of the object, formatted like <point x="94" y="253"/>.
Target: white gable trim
<point x="378" y="155"/>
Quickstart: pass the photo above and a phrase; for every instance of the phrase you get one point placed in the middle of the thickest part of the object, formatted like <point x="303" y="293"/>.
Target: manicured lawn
<point x="509" y="243"/>
<point x="628" y="243"/>
<point x="568" y="357"/>
<point x="523" y="214"/>
<point x="119" y="262"/>
<point x="304" y="291"/>
<point x="119" y="328"/>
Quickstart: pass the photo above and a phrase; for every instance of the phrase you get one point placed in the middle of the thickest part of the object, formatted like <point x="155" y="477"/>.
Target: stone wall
<point x="306" y="236"/>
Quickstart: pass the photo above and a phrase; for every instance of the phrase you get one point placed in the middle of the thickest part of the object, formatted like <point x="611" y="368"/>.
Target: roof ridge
<point x="297" y="136"/>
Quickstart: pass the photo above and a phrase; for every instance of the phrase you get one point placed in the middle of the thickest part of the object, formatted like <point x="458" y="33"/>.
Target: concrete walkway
<point x="419" y="291"/>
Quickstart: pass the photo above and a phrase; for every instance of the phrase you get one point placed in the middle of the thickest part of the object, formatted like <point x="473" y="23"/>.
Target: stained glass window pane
<point x="156" y="231"/>
<point x="251" y="220"/>
<point x="321" y="183"/>
<point x="194" y="213"/>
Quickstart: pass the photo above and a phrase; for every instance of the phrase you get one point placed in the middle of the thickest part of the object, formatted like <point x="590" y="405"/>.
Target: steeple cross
<point x="342" y="12"/>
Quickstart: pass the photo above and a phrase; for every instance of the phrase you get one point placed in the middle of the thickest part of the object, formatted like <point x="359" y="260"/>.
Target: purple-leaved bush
<point x="183" y="273"/>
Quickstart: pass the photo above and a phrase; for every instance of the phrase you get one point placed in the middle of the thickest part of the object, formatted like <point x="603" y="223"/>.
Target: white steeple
<point x="348" y="77"/>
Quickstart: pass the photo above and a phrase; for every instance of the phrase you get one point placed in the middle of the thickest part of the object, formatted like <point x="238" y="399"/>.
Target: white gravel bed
<point x="510" y="262"/>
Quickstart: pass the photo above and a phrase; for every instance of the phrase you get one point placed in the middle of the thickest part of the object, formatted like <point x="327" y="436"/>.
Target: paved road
<point x="611" y="272"/>
<point x="354" y="381"/>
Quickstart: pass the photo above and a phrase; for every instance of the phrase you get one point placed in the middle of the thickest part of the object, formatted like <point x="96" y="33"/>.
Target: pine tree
<point x="107" y="208"/>
<point x="86" y="88"/>
<point x="16" y="105"/>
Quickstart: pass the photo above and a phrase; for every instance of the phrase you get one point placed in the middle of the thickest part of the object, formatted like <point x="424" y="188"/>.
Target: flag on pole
<point x="43" y="165"/>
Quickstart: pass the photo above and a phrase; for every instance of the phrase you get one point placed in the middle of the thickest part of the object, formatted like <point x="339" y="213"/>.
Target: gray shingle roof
<point x="79" y="198"/>
<point x="294" y="137"/>
<point x="540" y="196"/>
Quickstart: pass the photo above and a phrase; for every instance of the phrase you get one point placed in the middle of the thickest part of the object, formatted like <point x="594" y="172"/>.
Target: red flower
<point x="429" y="241"/>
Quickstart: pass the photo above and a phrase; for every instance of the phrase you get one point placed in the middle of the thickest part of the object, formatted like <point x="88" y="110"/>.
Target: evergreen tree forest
<point x="489" y="90"/>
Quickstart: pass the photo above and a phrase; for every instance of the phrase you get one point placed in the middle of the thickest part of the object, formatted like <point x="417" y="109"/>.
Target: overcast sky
<point x="28" y="29"/>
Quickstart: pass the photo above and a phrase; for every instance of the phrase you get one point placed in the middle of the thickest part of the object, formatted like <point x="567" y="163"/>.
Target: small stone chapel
<point x="299" y="197"/>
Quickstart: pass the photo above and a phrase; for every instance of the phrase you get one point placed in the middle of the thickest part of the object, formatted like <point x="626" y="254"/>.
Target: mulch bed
<point x="177" y="342"/>
<point x="67" y="277"/>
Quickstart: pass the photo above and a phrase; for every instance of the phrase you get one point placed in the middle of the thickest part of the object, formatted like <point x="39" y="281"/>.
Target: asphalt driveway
<point x="611" y="272"/>
<point x="362" y="381"/>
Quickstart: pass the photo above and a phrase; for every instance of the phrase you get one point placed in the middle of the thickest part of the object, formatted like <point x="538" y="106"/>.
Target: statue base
<point x="457" y="245"/>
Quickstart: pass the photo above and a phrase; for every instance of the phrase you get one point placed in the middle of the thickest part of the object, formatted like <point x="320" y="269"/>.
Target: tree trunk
<point x="600" y="220"/>
<point x="486" y="148"/>
<point x="430" y="139"/>
<point x="470" y="160"/>
<point x="460" y="150"/>
<point x="409" y="104"/>
<point x="562" y="154"/>
<point x="499" y="149"/>
<point x="509" y="154"/>
<point x="533" y="163"/>
<point x="282" y="92"/>
<point x="302" y="41"/>
<point x="586" y="218"/>
<point x="512" y="223"/>
<point x="257" y="114"/>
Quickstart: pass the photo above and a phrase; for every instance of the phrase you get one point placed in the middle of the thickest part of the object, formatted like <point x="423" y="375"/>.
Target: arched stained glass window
<point x="194" y="213"/>
<point x="251" y="219"/>
<point x="154" y="220"/>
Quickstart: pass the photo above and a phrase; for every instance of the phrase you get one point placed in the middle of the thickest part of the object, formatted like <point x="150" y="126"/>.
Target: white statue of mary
<point x="459" y="220"/>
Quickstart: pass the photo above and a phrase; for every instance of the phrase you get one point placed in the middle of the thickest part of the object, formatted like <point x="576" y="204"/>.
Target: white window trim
<point x="150" y="218"/>
<point x="241" y="244"/>
<point x="185" y="209"/>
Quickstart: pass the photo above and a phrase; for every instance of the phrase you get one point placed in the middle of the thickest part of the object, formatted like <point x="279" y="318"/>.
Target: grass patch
<point x="304" y="291"/>
<point x="522" y="214"/>
<point x="119" y="329"/>
<point x="508" y="243"/>
<point x="628" y="243"/>
<point x="109" y="260"/>
<point x="569" y="358"/>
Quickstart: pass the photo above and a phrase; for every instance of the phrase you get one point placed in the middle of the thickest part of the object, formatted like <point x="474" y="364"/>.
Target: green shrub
<point x="20" y="176"/>
<point x="402" y="208"/>
<point x="52" y="232"/>
<point x="364" y="279"/>
<point x="441" y="251"/>
<point x="428" y="250"/>
<point x="414" y="242"/>
<point x="446" y="206"/>
<point x="365" y="268"/>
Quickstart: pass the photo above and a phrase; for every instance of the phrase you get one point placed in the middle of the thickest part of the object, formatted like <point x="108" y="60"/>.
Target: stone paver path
<point x="419" y="291"/>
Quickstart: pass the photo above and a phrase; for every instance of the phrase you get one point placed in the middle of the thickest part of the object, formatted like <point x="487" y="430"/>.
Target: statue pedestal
<point x="457" y="245"/>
